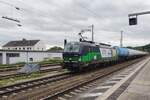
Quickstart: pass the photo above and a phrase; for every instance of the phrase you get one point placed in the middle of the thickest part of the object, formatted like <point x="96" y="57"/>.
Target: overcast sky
<point x="52" y="21"/>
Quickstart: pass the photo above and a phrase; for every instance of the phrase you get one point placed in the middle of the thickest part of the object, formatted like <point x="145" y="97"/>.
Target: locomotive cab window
<point x="72" y="47"/>
<point x="94" y="49"/>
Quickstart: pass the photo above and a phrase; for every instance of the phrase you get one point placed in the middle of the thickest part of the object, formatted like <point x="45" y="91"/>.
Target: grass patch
<point x="19" y="78"/>
<point x="20" y="64"/>
<point x="50" y="61"/>
<point x="11" y="65"/>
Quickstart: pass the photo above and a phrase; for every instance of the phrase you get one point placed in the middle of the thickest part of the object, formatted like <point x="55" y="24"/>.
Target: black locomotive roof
<point x="90" y="44"/>
<point x="84" y="43"/>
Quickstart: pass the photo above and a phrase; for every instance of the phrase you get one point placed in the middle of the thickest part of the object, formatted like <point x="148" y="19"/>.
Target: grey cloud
<point x="54" y="20"/>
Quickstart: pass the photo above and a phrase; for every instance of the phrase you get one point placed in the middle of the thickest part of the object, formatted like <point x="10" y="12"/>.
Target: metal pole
<point x="140" y="13"/>
<point x="27" y="58"/>
<point x="121" y="39"/>
<point x="92" y="33"/>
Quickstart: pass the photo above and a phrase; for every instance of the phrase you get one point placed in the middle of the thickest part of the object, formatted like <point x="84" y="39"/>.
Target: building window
<point x="19" y="48"/>
<point x="23" y="48"/>
<point x="12" y="54"/>
<point x="42" y="49"/>
<point x="31" y="59"/>
<point x="27" y="48"/>
<point x="8" y="48"/>
<point x="15" y="48"/>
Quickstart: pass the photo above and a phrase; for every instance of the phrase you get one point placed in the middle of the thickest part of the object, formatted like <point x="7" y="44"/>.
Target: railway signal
<point x="133" y="21"/>
<point x="133" y="17"/>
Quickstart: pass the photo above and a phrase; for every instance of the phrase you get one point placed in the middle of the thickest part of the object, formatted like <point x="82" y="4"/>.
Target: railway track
<point x="43" y="70"/>
<point x="57" y="85"/>
<point x="18" y="67"/>
<point x="30" y="84"/>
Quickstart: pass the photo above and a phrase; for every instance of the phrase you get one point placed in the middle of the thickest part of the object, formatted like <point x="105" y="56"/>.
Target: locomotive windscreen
<point x="72" y="47"/>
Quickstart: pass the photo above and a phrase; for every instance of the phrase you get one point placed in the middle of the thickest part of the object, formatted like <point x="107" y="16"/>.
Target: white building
<point x="29" y="45"/>
<point x="16" y="56"/>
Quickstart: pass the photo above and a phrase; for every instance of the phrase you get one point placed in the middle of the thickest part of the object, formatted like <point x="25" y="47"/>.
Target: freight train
<point x="77" y="56"/>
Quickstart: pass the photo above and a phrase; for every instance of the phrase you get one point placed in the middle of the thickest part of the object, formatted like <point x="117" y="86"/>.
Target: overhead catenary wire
<point x="89" y="10"/>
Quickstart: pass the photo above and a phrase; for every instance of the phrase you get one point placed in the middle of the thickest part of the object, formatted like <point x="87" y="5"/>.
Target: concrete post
<point x="4" y="58"/>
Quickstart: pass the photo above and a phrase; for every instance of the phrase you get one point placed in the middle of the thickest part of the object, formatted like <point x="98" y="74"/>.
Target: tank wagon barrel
<point x="126" y="53"/>
<point x="122" y="52"/>
<point x="135" y="52"/>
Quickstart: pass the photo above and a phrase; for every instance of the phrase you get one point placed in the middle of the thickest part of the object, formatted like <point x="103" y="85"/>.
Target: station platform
<point x="139" y="88"/>
<point x="136" y="87"/>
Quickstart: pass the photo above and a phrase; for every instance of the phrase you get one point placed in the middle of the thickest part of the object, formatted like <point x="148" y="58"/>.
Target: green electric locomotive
<point x="79" y="55"/>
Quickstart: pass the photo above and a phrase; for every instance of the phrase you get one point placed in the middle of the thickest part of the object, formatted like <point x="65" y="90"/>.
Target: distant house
<point x="27" y="45"/>
<point x="16" y="56"/>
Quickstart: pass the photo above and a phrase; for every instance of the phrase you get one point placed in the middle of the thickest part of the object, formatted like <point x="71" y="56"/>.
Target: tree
<point x="55" y="48"/>
<point x="143" y="48"/>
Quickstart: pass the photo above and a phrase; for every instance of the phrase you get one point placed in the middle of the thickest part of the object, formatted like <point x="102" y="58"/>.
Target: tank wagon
<point x="126" y="53"/>
<point x="79" y="55"/>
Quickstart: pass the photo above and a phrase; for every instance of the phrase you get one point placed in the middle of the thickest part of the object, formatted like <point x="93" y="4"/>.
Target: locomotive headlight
<point x="70" y="58"/>
<point x="79" y="59"/>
